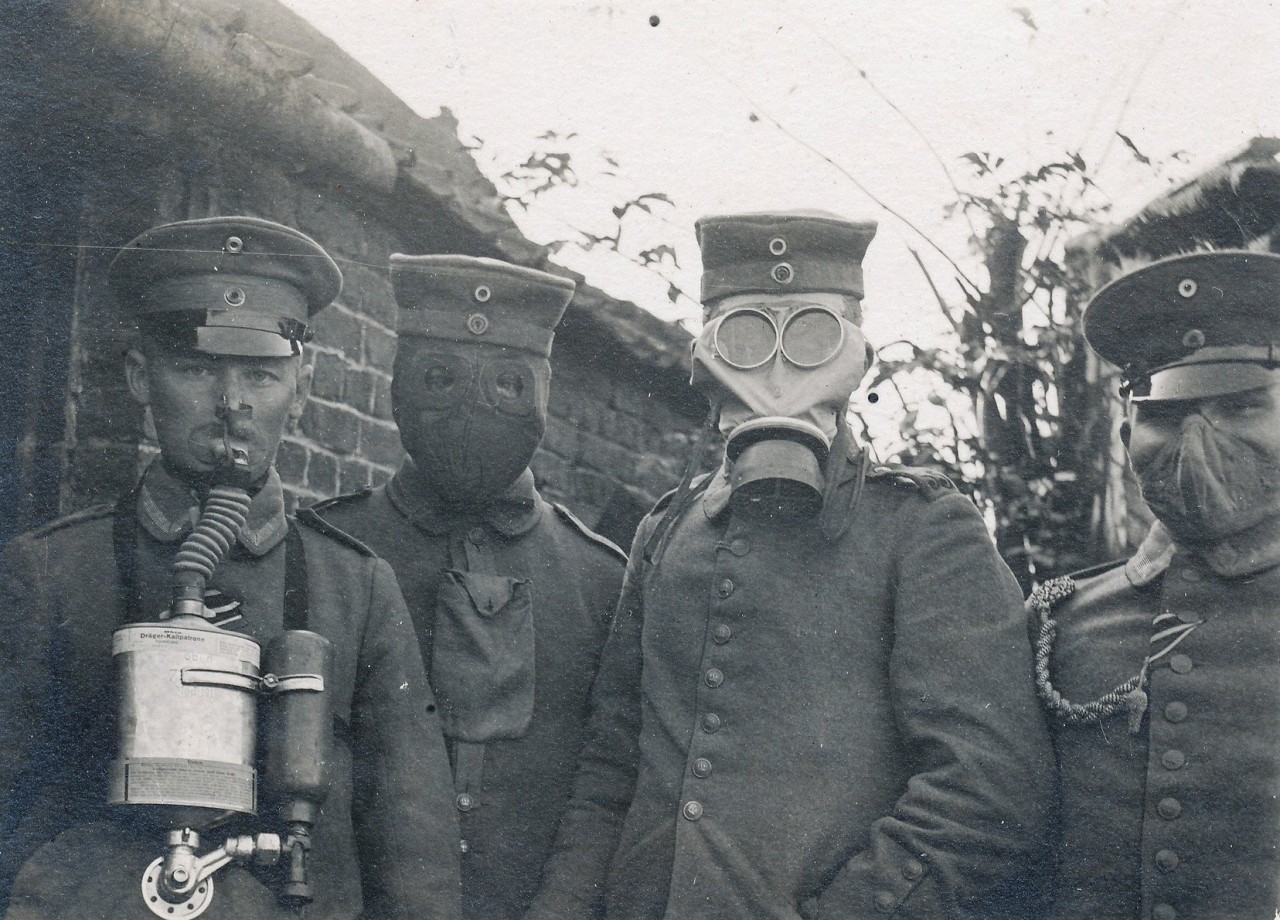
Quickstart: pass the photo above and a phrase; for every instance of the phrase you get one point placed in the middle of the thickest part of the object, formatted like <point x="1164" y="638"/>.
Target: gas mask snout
<point x="782" y="375"/>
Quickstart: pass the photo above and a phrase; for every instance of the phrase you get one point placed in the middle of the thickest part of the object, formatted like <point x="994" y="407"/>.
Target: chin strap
<point x="842" y="483"/>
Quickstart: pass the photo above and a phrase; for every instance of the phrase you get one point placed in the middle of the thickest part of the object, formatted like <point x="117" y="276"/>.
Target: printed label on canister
<point x="150" y="637"/>
<point x="201" y="783"/>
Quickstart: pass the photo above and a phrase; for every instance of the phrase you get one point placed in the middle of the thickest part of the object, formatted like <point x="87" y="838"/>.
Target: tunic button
<point x="702" y="768"/>
<point x="913" y="870"/>
<point x="722" y="634"/>
<point x="464" y="846"/>
<point x="1169" y="808"/>
<point x="1175" y="711"/>
<point x="725" y="588"/>
<point x="1181" y="664"/>
<point x="740" y="546"/>
<point x="1173" y="760"/>
<point x="1167" y="860"/>
<point x="477" y="535"/>
<point x="1190" y="575"/>
<point x="711" y="723"/>
<point x="884" y="902"/>
<point x="1163" y="912"/>
<point x="465" y="801"/>
<point x="692" y="810"/>
<point x="714" y="678"/>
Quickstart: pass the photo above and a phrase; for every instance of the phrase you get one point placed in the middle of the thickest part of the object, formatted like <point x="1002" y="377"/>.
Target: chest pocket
<point x="482" y="656"/>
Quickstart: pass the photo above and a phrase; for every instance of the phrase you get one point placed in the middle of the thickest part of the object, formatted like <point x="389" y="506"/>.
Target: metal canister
<point x="188" y="721"/>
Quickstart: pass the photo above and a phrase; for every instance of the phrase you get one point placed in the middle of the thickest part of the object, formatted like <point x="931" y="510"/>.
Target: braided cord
<point x="1129" y="696"/>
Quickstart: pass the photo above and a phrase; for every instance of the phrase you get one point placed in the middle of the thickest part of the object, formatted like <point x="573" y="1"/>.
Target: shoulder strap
<point x="572" y="520"/>
<point x="295" y="580"/>
<point x="124" y="543"/>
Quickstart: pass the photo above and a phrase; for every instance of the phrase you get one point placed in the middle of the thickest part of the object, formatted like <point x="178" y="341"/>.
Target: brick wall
<point x="618" y="428"/>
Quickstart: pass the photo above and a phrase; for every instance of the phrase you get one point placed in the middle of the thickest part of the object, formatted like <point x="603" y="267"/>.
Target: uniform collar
<point x="512" y="513"/>
<point x="1152" y="558"/>
<point x="168" y="510"/>
<point x="1255" y="550"/>
<point x="715" y="497"/>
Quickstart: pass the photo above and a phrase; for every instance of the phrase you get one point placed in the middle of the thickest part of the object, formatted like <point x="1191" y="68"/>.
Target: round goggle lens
<point x="746" y="339"/>
<point x="812" y="337"/>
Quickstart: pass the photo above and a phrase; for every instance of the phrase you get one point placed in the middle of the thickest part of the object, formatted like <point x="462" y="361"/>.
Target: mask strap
<point x="656" y="545"/>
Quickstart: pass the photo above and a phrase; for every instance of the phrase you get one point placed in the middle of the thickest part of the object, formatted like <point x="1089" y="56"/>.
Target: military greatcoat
<point x="386" y="842"/>
<point x="1179" y="818"/>
<point x="512" y="604"/>
<point x="789" y="725"/>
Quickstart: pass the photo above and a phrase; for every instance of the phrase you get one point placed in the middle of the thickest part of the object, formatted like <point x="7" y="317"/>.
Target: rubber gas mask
<point x="470" y="415"/>
<point x="782" y="372"/>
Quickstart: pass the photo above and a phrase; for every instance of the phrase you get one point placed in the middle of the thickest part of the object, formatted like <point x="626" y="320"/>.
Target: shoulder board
<point x="695" y="485"/>
<point x="929" y="483"/>
<point x="92" y="513"/>
<point x="569" y="518"/>
<point x="340" y="500"/>
<point x="308" y="517"/>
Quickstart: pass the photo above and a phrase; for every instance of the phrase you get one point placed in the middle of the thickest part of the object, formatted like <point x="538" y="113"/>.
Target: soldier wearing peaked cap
<point x="1159" y="674"/>
<point x="816" y="699"/>
<point x="511" y="595"/>
<point x="222" y="307"/>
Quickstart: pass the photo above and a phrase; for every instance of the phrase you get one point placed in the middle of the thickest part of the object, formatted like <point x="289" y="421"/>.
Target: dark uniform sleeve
<point x="23" y="653"/>
<point x="405" y="823"/>
<point x="574" y="877"/>
<point x="959" y="842"/>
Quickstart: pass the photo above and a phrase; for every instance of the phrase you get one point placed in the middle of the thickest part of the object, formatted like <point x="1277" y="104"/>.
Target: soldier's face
<point x="1252" y="417"/>
<point x="201" y="403"/>
<point x="1209" y="467"/>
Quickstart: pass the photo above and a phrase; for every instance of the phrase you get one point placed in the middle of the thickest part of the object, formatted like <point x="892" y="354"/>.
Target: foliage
<point x="1008" y="409"/>
<point x="1028" y="436"/>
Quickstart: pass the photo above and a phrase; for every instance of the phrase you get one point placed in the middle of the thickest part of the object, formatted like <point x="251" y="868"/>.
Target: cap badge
<point x="233" y="244"/>
<point x="1194" y="337"/>
<point x="482" y="294"/>
<point x="1187" y="287"/>
<point x="783" y="273"/>
<point x="477" y="323"/>
<point x="233" y="296"/>
<point x="777" y="245"/>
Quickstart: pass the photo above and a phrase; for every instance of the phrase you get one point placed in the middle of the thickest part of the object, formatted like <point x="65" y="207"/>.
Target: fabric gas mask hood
<point x="471" y="416"/>
<point x="782" y="373"/>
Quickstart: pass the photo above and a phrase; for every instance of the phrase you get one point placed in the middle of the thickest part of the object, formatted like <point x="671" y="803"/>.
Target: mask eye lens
<point x="812" y="337"/>
<point x="509" y="386"/>
<point x="440" y="378"/>
<point x="746" y="338"/>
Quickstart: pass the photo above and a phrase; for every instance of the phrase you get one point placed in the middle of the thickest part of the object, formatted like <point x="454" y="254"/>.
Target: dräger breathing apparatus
<point x="190" y="694"/>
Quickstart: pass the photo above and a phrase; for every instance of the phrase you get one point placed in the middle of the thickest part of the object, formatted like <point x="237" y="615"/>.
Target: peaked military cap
<point x="470" y="299"/>
<point x="1191" y="326"/>
<point x="226" y="285"/>
<point x="782" y="252"/>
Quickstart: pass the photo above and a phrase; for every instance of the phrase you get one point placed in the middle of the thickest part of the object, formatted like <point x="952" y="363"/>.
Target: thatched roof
<point x="1234" y="204"/>
<point x="272" y="78"/>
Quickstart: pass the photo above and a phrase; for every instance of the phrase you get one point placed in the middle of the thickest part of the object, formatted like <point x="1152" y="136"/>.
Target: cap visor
<point x="1204" y="380"/>
<point x="249" y="343"/>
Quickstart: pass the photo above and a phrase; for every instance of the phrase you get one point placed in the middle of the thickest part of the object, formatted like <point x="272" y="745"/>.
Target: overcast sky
<point x="672" y="104"/>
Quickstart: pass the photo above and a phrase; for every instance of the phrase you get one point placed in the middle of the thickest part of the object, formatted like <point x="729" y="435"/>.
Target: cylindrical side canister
<point x="188" y="724"/>
<point x="298" y="723"/>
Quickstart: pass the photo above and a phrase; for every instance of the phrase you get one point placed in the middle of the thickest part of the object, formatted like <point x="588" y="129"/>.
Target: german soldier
<point x="1159" y="674"/>
<point x="222" y="306"/>
<point x="511" y="595"/>
<point x="816" y="699"/>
